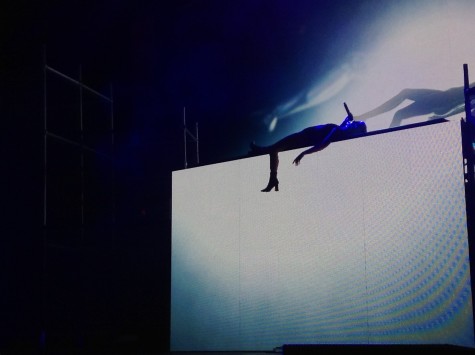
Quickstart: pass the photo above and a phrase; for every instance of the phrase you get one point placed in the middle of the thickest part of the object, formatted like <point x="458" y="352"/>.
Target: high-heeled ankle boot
<point x="273" y="183"/>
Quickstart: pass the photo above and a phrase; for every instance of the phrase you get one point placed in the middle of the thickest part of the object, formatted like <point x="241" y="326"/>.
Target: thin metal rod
<point x="77" y="144"/>
<point x="466" y="87"/>
<point x="197" y="146"/>
<point x="112" y="128"/>
<point x="77" y="83"/>
<point x="187" y="132"/>
<point x="45" y="142"/>
<point x="195" y="137"/>
<point x="184" y="134"/>
<point x="44" y="279"/>
<point x="81" y="125"/>
<point x="470" y="126"/>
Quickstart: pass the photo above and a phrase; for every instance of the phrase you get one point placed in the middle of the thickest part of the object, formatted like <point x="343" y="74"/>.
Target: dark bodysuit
<point x="309" y="136"/>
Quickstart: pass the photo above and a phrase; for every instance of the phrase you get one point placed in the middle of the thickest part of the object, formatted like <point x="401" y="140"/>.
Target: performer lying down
<point x="319" y="137"/>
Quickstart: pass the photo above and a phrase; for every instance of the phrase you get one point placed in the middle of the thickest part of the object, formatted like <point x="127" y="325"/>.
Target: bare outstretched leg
<point x="424" y="102"/>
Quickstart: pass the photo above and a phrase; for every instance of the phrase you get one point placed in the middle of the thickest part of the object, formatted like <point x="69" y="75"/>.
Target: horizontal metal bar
<point x="77" y="144"/>
<point x="77" y="83"/>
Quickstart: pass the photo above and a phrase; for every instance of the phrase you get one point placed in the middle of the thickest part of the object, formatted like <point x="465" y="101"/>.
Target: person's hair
<point x="359" y="127"/>
<point x="355" y="128"/>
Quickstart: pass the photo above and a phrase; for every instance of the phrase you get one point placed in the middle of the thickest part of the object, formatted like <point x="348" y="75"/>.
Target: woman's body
<point x="319" y="137"/>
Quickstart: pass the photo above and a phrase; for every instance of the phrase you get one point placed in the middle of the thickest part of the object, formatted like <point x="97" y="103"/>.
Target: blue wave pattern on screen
<point x="365" y="243"/>
<point x="429" y="283"/>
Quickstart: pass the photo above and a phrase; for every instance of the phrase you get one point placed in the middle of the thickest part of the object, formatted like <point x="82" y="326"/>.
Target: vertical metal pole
<point x="112" y="154"/>
<point x="184" y="134"/>
<point x="466" y="87"/>
<point x="82" y="144"/>
<point x="468" y="137"/>
<point x="470" y="124"/>
<point x="45" y="214"/>
<point x="197" y="146"/>
<point x="45" y="142"/>
<point x="112" y="121"/>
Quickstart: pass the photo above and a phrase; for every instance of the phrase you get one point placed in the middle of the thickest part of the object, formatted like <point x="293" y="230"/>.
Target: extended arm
<point x="328" y="138"/>
<point x="324" y="143"/>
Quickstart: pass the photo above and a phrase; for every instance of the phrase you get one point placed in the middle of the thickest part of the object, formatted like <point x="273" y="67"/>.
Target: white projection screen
<point x="365" y="243"/>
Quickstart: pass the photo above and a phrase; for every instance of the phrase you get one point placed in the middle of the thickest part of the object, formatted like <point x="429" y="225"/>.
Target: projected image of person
<point x="441" y="103"/>
<point x="319" y="137"/>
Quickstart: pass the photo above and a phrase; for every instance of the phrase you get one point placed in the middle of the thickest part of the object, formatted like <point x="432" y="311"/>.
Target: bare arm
<point x="328" y="138"/>
<point x="324" y="143"/>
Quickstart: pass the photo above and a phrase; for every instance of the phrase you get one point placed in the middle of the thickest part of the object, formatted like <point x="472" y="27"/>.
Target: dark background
<point x="105" y="284"/>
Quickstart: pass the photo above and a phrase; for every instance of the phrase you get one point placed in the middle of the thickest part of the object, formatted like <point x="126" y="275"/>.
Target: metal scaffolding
<point x="469" y="95"/>
<point x="468" y="138"/>
<point x="79" y="141"/>
<point x="194" y="138"/>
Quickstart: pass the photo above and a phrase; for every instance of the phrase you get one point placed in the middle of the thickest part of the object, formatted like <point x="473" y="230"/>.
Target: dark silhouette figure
<point x="319" y="137"/>
<point x="425" y="101"/>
